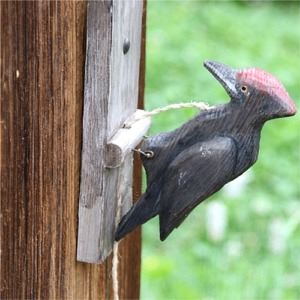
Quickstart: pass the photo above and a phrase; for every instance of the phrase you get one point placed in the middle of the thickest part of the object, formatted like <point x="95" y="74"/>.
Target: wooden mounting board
<point x="110" y="98"/>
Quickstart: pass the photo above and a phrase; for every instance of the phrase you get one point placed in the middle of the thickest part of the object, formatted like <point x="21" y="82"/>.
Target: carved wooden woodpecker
<point x="197" y="159"/>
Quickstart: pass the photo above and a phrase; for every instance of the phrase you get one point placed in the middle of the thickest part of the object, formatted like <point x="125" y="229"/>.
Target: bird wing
<point x="194" y="174"/>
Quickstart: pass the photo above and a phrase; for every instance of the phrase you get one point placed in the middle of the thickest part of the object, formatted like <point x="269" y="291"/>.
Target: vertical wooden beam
<point x="110" y="98"/>
<point x="42" y="73"/>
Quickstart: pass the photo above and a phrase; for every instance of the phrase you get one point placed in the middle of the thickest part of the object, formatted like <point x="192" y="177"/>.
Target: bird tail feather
<point x="141" y="212"/>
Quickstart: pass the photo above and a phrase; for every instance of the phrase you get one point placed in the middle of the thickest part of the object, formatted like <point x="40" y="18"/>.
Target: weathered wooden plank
<point x="110" y="98"/>
<point x="42" y="72"/>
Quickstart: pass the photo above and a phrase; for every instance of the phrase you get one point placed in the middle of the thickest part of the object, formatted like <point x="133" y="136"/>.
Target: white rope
<point x="146" y="114"/>
<point x="115" y="264"/>
<point x="199" y="105"/>
<point x="115" y="260"/>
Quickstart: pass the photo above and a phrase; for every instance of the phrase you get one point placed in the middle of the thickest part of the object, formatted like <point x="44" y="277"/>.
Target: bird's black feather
<point x="192" y="176"/>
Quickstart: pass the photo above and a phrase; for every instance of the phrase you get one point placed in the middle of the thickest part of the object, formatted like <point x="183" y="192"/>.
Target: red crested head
<point x="254" y="89"/>
<point x="267" y="84"/>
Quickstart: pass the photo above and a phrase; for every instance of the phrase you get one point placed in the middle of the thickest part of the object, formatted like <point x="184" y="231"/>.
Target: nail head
<point x="126" y="45"/>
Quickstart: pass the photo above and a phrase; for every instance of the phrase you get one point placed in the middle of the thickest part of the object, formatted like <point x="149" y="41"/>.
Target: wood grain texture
<point x="110" y="98"/>
<point x="42" y="73"/>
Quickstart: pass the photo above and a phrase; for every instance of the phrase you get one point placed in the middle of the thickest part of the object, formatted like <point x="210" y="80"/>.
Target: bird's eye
<point x="244" y="89"/>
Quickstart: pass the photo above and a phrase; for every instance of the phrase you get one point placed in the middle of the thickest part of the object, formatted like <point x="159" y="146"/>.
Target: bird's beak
<point x="225" y="75"/>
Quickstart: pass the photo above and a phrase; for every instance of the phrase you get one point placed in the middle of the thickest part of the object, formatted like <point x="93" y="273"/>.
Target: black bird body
<point x="197" y="159"/>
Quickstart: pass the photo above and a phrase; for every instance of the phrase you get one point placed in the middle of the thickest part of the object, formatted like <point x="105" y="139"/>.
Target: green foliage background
<point x="189" y="264"/>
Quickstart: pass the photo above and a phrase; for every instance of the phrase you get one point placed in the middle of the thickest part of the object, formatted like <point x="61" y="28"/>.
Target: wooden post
<point x="42" y="79"/>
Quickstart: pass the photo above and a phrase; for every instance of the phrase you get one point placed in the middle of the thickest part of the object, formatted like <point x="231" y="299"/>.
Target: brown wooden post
<point x="42" y="76"/>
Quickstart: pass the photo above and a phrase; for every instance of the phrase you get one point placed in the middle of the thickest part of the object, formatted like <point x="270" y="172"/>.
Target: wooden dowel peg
<point x="126" y="138"/>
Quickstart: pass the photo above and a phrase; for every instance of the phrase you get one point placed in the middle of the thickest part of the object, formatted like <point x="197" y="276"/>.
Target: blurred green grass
<point x="242" y="265"/>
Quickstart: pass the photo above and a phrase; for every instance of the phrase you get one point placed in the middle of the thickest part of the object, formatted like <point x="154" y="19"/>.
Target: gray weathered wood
<point x="110" y="98"/>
